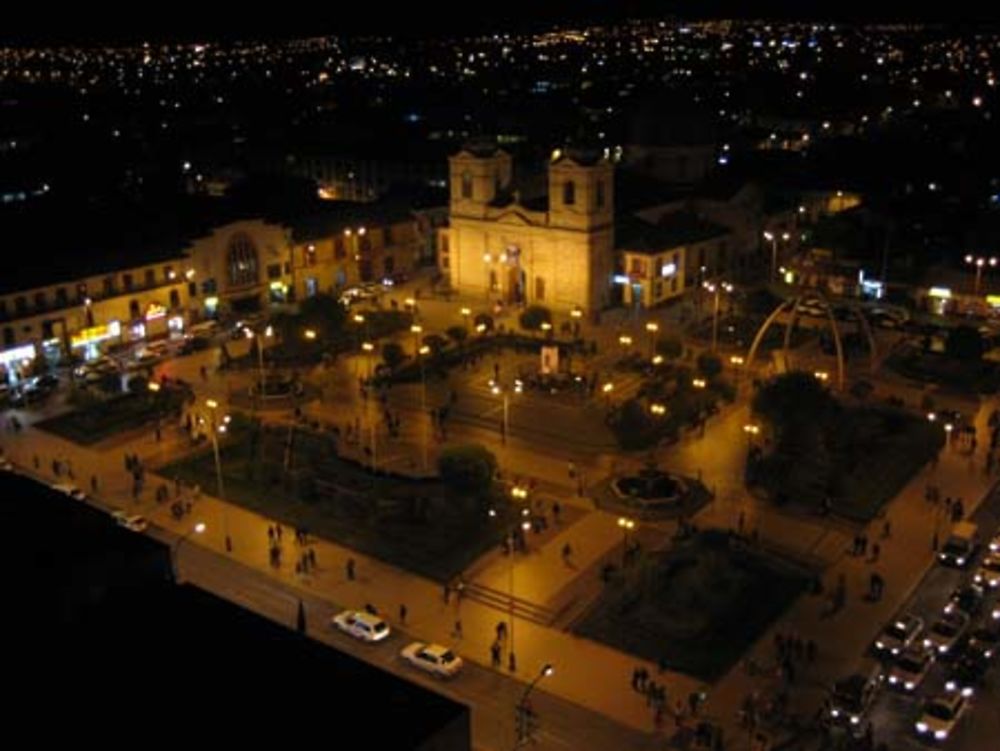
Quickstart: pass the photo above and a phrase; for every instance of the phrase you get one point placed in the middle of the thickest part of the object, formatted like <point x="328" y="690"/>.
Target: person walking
<point x="312" y="557"/>
<point x="402" y="614"/>
<point x="502" y="630"/>
<point x="495" y="660"/>
<point x="457" y="632"/>
<point x="350" y="569"/>
<point x="567" y="551"/>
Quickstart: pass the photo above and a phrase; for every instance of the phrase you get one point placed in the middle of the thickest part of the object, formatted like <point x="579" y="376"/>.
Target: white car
<point x="940" y="715"/>
<point x="988" y="574"/>
<point x="899" y="634"/>
<point x="910" y="668"/>
<point x="944" y="633"/>
<point x="5" y="465"/>
<point x="433" y="658"/>
<point x="361" y="625"/>
<point x="71" y="490"/>
<point x="134" y="522"/>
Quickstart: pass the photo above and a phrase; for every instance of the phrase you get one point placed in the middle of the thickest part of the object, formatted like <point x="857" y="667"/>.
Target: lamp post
<point x="524" y="712"/>
<point x="607" y="388"/>
<point x="980" y="262"/>
<point x="259" y="338"/>
<point x="216" y="428"/>
<point x="175" y="553"/>
<point x="627" y="525"/>
<point x="653" y="328"/>
<point x="751" y="429"/>
<point x="498" y="389"/>
<point x="773" y="239"/>
<point x="423" y="399"/>
<point x="416" y="329"/>
<point x="466" y="313"/>
<point x="716" y="288"/>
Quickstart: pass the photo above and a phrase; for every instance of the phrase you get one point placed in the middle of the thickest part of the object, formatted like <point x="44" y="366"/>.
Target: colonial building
<point x="555" y="249"/>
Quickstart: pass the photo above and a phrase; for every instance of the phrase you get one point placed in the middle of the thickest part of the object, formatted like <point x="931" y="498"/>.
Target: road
<point x="491" y="695"/>
<point x="893" y="714"/>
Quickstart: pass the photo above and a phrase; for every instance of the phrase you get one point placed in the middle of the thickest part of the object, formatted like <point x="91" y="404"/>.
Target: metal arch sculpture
<point x="793" y="305"/>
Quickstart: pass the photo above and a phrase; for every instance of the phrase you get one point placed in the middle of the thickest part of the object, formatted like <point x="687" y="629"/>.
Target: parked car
<point x="961" y="546"/>
<point x="360" y="625"/>
<point x="851" y="697"/>
<point x="967" y="674"/>
<point x="899" y="634"/>
<point x="945" y="633"/>
<point x="988" y="574"/>
<point x="940" y="715"/>
<point x="967" y="599"/>
<point x="910" y="668"/>
<point x="69" y="489"/>
<point x="134" y="522"/>
<point x="432" y="658"/>
<point x="983" y="641"/>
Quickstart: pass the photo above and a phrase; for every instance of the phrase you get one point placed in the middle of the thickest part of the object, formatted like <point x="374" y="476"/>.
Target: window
<point x="109" y="285"/>
<point x="339" y="251"/>
<point x="192" y="289"/>
<point x="21" y="304"/>
<point x="133" y="309"/>
<point x="638" y="267"/>
<point x="209" y="287"/>
<point x="175" y="299"/>
<point x="600" y="194"/>
<point x="539" y="289"/>
<point x="309" y="257"/>
<point x="312" y="286"/>
<point x="47" y="327"/>
<point x="8" y="336"/>
<point x="466" y="185"/>
<point x="274" y="271"/>
<point x="168" y="273"/>
<point x="569" y="193"/>
<point x="242" y="261"/>
<point x="40" y="301"/>
<point x="127" y="282"/>
<point x="150" y="277"/>
<point x="288" y="267"/>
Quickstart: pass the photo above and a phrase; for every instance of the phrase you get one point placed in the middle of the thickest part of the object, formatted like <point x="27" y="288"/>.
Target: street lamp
<point x="423" y="397"/>
<point x="466" y="312"/>
<point x="607" y="388"/>
<point x="716" y="288"/>
<point x="980" y="262"/>
<point x="698" y="383"/>
<point x="822" y="376"/>
<point x="416" y="329"/>
<point x="524" y="712"/>
<point x="198" y="529"/>
<point x="498" y="389"/>
<point x="653" y="328"/>
<point x="773" y="239"/>
<point x="216" y="428"/>
<point x="250" y="334"/>
<point x="627" y="525"/>
<point x="309" y="334"/>
<point x="751" y="430"/>
<point x="658" y="409"/>
<point x="625" y="340"/>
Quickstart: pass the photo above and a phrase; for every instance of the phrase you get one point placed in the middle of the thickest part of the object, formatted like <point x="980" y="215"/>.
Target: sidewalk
<point x="843" y="637"/>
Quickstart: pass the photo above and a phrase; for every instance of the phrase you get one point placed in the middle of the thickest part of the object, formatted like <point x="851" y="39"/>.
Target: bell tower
<point x="478" y="172"/>
<point x="581" y="189"/>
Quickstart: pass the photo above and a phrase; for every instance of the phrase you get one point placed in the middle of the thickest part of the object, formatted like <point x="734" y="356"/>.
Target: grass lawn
<point x="698" y="606"/>
<point x="421" y="526"/>
<point x="103" y="419"/>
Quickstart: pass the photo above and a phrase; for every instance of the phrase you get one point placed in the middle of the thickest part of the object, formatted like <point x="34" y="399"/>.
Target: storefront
<point x="14" y="363"/>
<point x="87" y="341"/>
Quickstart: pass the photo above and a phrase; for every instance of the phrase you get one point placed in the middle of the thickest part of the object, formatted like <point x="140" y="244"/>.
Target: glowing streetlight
<point x="980" y="262"/>
<point x="699" y="383"/>
<point x="658" y="409"/>
<point x="653" y="328"/>
<point x="626" y="525"/>
<point x="217" y="427"/>
<point x="153" y="386"/>
<point x="716" y="288"/>
<point x="310" y="334"/>
<point x="822" y="376"/>
<point x="197" y="529"/>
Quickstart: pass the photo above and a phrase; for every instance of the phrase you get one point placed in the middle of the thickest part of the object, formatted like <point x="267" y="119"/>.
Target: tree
<point x="534" y="316"/>
<point x="468" y="468"/>
<point x="965" y="343"/>
<point x="670" y="347"/>
<point x="709" y="365"/>
<point x="457" y="334"/>
<point x="484" y="320"/>
<point x="435" y="342"/>
<point x="392" y="354"/>
<point x="793" y="398"/>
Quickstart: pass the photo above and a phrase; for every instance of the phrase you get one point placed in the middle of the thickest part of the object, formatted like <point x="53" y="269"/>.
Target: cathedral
<point x="555" y="249"/>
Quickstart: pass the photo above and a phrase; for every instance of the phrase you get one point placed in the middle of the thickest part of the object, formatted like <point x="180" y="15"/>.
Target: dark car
<point x="195" y="344"/>
<point x="967" y="599"/>
<point x="983" y="642"/>
<point x="967" y="674"/>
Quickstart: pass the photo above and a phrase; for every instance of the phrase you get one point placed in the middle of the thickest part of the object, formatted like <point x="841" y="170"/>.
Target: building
<point x="554" y="249"/>
<point x="127" y="274"/>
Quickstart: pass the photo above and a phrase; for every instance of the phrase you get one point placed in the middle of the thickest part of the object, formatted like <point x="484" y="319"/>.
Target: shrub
<point x="392" y="354"/>
<point x="457" y="334"/>
<point x="670" y="347"/>
<point x="534" y="316"/>
<point x="468" y="468"/>
<point x="709" y="365"/>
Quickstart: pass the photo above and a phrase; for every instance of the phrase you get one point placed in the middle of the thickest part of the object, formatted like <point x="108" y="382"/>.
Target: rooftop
<point x="674" y="230"/>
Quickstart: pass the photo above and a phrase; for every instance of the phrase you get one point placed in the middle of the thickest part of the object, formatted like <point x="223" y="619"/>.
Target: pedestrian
<point x="658" y="718"/>
<point x="643" y="678"/>
<point x="502" y="630"/>
<point x="567" y="551"/>
<point x="495" y="659"/>
<point x="556" y="509"/>
<point x="270" y="534"/>
<point x="457" y="633"/>
<point x="402" y="614"/>
<point x="693" y="703"/>
<point x="312" y="557"/>
<point x="863" y="541"/>
<point x="635" y="679"/>
<point x="650" y="690"/>
<point x="350" y="569"/>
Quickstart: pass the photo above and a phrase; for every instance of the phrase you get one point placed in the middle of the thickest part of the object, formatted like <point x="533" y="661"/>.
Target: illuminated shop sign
<point x="154" y="311"/>
<point x="24" y="352"/>
<point x="943" y="292"/>
<point x="95" y="334"/>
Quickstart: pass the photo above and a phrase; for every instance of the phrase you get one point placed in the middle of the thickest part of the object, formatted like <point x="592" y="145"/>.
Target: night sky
<point x="189" y="20"/>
